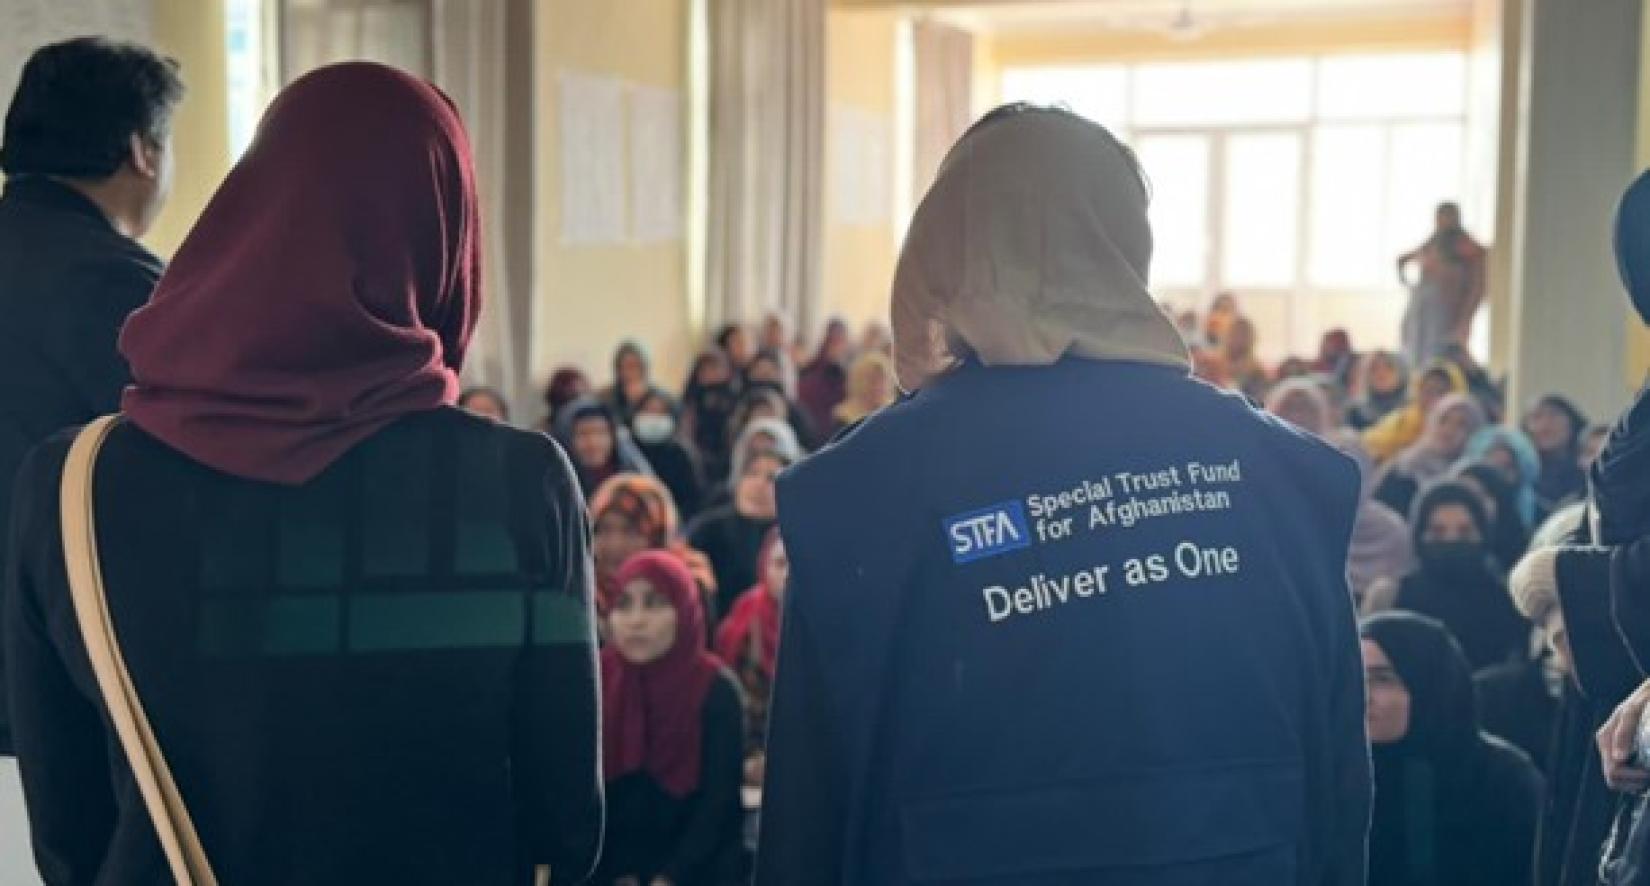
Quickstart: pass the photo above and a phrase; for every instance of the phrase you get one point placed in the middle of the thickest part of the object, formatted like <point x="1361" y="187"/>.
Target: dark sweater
<point x="732" y="541"/>
<point x="383" y="676"/>
<point x="695" y="840"/>
<point x="67" y="281"/>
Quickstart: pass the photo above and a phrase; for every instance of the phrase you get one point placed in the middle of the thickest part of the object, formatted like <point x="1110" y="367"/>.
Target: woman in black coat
<point x="1453" y="806"/>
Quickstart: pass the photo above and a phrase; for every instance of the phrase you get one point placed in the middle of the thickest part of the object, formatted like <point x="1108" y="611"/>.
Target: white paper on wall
<point x="656" y="165"/>
<point x="591" y="123"/>
<point x="27" y="25"/>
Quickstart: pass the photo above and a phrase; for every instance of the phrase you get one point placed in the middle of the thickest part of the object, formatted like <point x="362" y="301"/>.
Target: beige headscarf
<point x="1032" y="244"/>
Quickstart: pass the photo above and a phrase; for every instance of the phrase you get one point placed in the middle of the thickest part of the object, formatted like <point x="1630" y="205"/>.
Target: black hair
<point x="78" y="104"/>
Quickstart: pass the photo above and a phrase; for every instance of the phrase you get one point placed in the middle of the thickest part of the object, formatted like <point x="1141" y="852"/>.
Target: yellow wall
<point x="859" y="74"/>
<point x="1379" y="33"/>
<point x="589" y="298"/>
<point x="192" y="31"/>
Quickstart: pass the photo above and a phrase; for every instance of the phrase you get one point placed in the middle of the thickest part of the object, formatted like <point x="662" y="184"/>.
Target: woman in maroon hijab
<point x="359" y="619"/>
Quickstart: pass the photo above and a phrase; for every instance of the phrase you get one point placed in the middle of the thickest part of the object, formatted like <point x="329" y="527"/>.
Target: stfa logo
<point x="987" y="532"/>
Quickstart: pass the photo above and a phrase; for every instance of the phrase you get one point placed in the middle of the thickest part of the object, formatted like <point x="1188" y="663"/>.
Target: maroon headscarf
<point x="329" y="288"/>
<point x="653" y="714"/>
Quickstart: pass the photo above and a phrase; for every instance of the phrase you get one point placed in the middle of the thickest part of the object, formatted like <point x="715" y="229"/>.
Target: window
<point x="1286" y="178"/>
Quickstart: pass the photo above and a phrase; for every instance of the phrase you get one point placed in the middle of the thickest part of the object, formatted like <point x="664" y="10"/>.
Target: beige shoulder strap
<point x="160" y="793"/>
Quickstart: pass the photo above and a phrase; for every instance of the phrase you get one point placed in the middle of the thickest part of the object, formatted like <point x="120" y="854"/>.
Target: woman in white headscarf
<point x="1057" y="525"/>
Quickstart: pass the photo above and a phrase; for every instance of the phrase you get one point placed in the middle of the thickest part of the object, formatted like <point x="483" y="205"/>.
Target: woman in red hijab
<point x="672" y="737"/>
<point x="359" y="618"/>
<point x="748" y="643"/>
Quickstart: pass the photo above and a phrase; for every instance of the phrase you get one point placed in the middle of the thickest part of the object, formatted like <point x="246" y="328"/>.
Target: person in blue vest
<point x="1064" y="615"/>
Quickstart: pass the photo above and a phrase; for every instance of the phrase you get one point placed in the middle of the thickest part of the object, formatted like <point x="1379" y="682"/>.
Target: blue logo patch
<point x="987" y="532"/>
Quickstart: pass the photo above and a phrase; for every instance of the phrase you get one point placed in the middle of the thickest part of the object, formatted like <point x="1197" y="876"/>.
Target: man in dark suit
<point x="88" y="163"/>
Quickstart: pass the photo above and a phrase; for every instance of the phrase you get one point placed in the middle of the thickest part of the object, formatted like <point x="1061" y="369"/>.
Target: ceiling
<point x="1025" y="15"/>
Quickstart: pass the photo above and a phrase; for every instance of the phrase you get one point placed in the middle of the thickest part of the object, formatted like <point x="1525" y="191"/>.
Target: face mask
<point x="653" y="428"/>
<point x="1453" y="557"/>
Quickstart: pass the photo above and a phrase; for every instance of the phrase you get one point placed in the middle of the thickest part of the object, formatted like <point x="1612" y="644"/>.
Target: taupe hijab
<point x="1032" y="244"/>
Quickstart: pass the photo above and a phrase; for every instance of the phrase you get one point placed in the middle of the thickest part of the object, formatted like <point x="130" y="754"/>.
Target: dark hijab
<point x="623" y="459"/>
<point x="1561" y="475"/>
<point x="330" y="287"/>
<point x="1459" y="584"/>
<point x="1453" y="807"/>
<point x="1621" y="476"/>
<point x="1508" y="538"/>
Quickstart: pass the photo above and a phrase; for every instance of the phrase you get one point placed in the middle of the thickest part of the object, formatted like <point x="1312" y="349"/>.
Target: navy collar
<point x="41" y="190"/>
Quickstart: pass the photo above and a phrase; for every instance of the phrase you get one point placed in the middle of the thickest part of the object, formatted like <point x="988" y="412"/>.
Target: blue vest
<point x="1086" y="623"/>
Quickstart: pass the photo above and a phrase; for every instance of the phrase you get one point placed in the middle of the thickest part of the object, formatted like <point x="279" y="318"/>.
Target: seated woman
<point x="731" y="535"/>
<point x="359" y="618"/>
<point x="708" y="403"/>
<point x="1508" y="538"/>
<point x="773" y="370"/>
<point x="1457" y="581"/>
<point x="567" y="386"/>
<point x="1382" y="552"/>
<point x="656" y="426"/>
<point x="1452" y="423"/>
<point x="1399" y="429"/>
<point x="632" y="513"/>
<point x="1302" y="403"/>
<point x="748" y="643"/>
<point x="1510" y="452"/>
<point x="672" y="736"/>
<point x="632" y="382"/>
<point x="598" y="443"/>
<point x="1378" y="389"/>
<point x="870" y="388"/>
<point x="824" y="381"/>
<point x="1556" y="425"/>
<point x="1453" y="805"/>
<point x="1242" y="366"/>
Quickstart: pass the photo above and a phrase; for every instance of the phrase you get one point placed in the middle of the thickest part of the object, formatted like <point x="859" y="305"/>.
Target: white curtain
<point x="944" y="60"/>
<point x="470" y="49"/>
<point x="766" y="160"/>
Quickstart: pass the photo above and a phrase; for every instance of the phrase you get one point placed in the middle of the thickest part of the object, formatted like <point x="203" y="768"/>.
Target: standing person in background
<point x="1555" y="424"/>
<point x="748" y="643"/>
<point x="1457" y="581"/>
<point x="598" y="444"/>
<point x="289" y="454"/>
<point x="486" y="402"/>
<point x="87" y="154"/>
<point x="1452" y="423"/>
<point x="735" y="342"/>
<point x="632" y="381"/>
<point x="672" y="735"/>
<point x="1453" y="805"/>
<point x="1381" y="389"/>
<point x="937" y="719"/>
<point x="731" y="534"/>
<point x="1445" y="298"/>
<point x="567" y="385"/>
<point x="870" y="388"/>
<point x="775" y="334"/>
<point x="657" y="427"/>
<point x="824" y="382"/>
<point x="708" y="401"/>
<point x="874" y="339"/>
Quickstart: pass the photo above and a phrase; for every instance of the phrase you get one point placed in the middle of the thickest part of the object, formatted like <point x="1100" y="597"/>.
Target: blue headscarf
<point x="1523" y="451"/>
